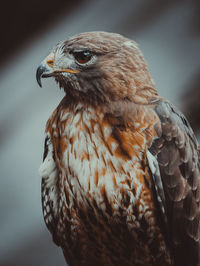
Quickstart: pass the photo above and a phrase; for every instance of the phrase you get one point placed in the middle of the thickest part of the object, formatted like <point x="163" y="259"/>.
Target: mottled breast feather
<point x="104" y="199"/>
<point x="96" y="172"/>
<point x="177" y="153"/>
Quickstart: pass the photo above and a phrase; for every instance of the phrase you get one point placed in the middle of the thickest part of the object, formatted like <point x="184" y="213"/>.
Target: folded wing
<point x="176" y="154"/>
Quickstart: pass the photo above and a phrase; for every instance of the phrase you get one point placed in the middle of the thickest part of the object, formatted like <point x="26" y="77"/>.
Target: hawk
<point x="120" y="176"/>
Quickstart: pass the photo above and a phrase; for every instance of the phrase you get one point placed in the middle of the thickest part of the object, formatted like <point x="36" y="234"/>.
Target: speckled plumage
<point x="120" y="177"/>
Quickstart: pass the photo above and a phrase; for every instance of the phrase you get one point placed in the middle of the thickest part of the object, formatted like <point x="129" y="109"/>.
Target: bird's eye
<point x="82" y="57"/>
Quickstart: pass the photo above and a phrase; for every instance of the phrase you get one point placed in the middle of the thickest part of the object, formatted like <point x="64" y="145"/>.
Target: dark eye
<point x="82" y="57"/>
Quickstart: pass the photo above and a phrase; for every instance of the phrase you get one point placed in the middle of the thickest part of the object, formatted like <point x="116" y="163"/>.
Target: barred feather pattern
<point x="103" y="195"/>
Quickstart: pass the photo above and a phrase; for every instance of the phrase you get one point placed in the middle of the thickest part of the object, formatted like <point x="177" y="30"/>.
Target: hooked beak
<point x="43" y="71"/>
<point x="46" y="69"/>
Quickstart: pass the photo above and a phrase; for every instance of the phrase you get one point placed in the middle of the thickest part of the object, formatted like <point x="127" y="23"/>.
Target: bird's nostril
<point x="50" y="62"/>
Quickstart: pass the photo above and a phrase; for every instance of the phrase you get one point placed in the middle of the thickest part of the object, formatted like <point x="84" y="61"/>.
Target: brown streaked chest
<point x="97" y="159"/>
<point x="104" y="183"/>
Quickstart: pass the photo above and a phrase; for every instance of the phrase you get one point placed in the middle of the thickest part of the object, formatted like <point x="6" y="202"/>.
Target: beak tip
<point x="39" y="82"/>
<point x="39" y="73"/>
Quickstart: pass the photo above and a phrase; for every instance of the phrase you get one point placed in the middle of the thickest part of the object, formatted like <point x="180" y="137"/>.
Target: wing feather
<point x="177" y="154"/>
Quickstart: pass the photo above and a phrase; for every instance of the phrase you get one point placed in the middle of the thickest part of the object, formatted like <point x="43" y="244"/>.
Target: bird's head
<point x="99" y="67"/>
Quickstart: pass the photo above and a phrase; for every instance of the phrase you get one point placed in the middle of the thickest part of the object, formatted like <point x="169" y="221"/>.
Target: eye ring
<point x="82" y="57"/>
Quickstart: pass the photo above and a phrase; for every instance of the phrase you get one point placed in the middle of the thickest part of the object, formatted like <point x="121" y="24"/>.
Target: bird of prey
<point x="120" y="176"/>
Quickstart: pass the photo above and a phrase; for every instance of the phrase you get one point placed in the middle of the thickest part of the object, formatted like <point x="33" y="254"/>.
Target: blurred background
<point x="168" y="32"/>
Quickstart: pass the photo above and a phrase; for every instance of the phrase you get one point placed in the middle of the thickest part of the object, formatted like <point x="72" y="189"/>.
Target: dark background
<point x="21" y="20"/>
<point x="168" y="33"/>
